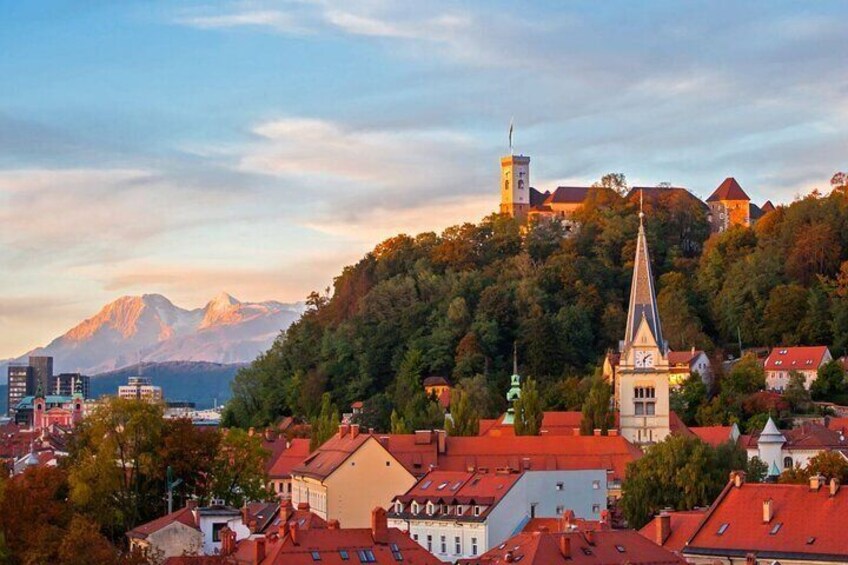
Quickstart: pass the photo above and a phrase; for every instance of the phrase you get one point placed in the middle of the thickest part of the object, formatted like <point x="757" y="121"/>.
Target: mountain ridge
<point x="151" y="328"/>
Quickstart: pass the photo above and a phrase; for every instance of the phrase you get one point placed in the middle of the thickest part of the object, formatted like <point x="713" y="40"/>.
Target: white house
<point x="783" y="361"/>
<point x="781" y="450"/>
<point x="458" y="515"/>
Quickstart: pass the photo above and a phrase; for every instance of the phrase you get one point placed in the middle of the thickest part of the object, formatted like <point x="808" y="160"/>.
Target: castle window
<point x="787" y="463"/>
<point x="506" y="184"/>
<point x="521" y="184"/>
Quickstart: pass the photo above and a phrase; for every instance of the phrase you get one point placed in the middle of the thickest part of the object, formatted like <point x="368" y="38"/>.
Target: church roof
<point x="728" y="190"/>
<point x="643" y="298"/>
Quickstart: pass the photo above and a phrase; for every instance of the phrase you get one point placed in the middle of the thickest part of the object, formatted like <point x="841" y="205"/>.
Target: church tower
<point x="515" y="186"/>
<point x="643" y="374"/>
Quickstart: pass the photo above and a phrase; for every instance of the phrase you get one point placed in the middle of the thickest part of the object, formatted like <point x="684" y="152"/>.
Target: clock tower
<point x="642" y="379"/>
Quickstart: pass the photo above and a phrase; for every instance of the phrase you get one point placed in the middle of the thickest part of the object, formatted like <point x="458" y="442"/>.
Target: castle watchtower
<point x="515" y="186"/>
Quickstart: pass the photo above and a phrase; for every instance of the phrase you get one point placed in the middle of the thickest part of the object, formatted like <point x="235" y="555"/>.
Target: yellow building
<point x="348" y="476"/>
<point x="729" y="206"/>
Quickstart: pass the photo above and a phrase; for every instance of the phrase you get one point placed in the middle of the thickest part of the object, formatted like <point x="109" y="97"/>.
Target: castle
<point x="728" y="205"/>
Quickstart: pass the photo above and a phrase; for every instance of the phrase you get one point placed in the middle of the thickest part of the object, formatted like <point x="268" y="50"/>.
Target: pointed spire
<point x="771" y="434"/>
<point x="39" y="390"/>
<point x="643" y="298"/>
<point x="514" y="357"/>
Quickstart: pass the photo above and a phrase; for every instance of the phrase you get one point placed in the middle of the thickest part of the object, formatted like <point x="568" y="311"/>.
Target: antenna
<point x="514" y="357"/>
<point x="641" y="211"/>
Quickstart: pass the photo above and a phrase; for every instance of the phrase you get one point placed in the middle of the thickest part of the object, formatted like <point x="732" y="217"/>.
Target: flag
<point x="510" y="135"/>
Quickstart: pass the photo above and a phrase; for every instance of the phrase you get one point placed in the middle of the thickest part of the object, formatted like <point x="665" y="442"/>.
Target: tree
<point x="190" y="452"/>
<point x="239" y="473"/>
<point x="757" y="470"/>
<point x="464" y="420"/>
<point x="686" y="399"/>
<point x="796" y="475"/>
<point x="679" y="472"/>
<point x="746" y="376"/>
<point x="796" y="393"/>
<point x="596" y="410"/>
<point x="83" y="544"/>
<point x="114" y="464"/>
<point x="528" y="410"/>
<point x="830" y="382"/>
<point x="398" y="424"/>
<point x="831" y="464"/>
<point x="786" y="307"/>
<point x="326" y="424"/>
<point x="613" y="181"/>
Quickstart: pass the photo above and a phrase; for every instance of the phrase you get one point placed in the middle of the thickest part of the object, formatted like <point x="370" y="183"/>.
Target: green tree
<point x="787" y="305"/>
<point x="597" y="413"/>
<point x="398" y="424"/>
<point x="326" y="424"/>
<point x="528" y="410"/>
<point x="746" y="376"/>
<point x="796" y="393"/>
<point x="686" y="399"/>
<point x="239" y="474"/>
<point x="830" y="383"/>
<point x="464" y="420"/>
<point x="757" y="470"/>
<point x="831" y="464"/>
<point x="679" y="472"/>
<point x="796" y="475"/>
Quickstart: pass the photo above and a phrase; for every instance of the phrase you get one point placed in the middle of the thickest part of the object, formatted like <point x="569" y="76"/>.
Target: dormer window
<point x="399" y="507"/>
<point x="431" y="508"/>
<point x="416" y="508"/>
<point x="476" y="510"/>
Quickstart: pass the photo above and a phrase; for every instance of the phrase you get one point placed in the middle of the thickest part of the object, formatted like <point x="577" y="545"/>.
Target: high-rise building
<point x="642" y="378"/>
<point x="21" y="384"/>
<point x="65" y="384"/>
<point x="42" y="371"/>
<point x="141" y="388"/>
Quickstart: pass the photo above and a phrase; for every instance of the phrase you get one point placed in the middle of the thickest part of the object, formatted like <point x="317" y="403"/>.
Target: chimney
<point x="293" y="532"/>
<point x="816" y="482"/>
<point x="226" y="541"/>
<point x="693" y="351"/>
<point x="191" y="504"/>
<point x="333" y="525"/>
<point x="737" y="478"/>
<point x="259" y="550"/>
<point x="441" y="442"/>
<point x="343" y="428"/>
<point x="565" y="546"/>
<point x="605" y="519"/>
<point x="379" y="526"/>
<point x="612" y="432"/>
<point x="834" y="486"/>
<point x="596" y="432"/>
<point x="283" y="529"/>
<point x="768" y="511"/>
<point x="663" y="527"/>
<point x="354" y="430"/>
<point x="566" y="520"/>
<point x="303" y="506"/>
<point x="245" y="517"/>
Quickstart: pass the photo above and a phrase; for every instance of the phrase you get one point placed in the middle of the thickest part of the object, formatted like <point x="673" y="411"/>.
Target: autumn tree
<point x="597" y="412"/>
<point x="464" y="420"/>
<point x="528" y="410"/>
<point x="831" y="464"/>
<point x="239" y="472"/>
<point x="746" y="376"/>
<point x="190" y="452"/>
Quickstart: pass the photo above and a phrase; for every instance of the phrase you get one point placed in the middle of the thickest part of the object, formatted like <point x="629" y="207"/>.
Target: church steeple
<point x="643" y="298"/>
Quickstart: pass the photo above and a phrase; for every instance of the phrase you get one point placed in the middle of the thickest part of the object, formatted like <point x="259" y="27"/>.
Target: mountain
<point x="151" y="328"/>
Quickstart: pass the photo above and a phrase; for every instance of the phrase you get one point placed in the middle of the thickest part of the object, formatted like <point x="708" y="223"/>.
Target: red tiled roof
<point x="683" y="525"/>
<point x="728" y="190"/>
<point x="659" y="194"/>
<point x="838" y="424"/>
<point x="288" y="459"/>
<point x="327" y="458"/>
<point x="683" y="357"/>
<point x="436" y="381"/>
<point x="553" y="423"/>
<point x="795" y="358"/>
<point x="568" y="195"/>
<point x="713" y="435"/>
<point x="595" y="547"/>
<point x="677" y="426"/>
<point x="767" y="207"/>
<point x="811" y="524"/>
<point x="463" y="487"/>
<point x="183" y="515"/>
<point x="197" y="560"/>
<point x="557" y="525"/>
<point x="329" y="542"/>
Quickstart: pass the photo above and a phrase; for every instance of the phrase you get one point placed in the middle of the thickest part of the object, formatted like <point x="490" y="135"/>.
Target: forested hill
<point x="453" y="304"/>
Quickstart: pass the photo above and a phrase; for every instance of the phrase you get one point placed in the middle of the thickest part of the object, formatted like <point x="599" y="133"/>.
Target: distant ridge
<point x="151" y="328"/>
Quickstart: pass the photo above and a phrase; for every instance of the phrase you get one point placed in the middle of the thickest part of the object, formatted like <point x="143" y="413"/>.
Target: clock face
<point x="644" y="359"/>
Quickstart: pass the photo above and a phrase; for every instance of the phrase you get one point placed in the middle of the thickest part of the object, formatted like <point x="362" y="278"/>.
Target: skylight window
<point x="442" y="486"/>
<point x="722" y="529"/>
<point x="456" y="485"/>
<point x="344" y="554"/>
<point x="426" y="485"/>
<point x="811" y="540"/>
<point x="776" y="528"/>
<point x="366" y="556"/>
<point x="316" y="556"/>
<point x="619" y="548"/>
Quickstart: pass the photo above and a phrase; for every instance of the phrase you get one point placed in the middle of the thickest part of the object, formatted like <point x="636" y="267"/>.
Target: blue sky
<point x="257" y="147"/>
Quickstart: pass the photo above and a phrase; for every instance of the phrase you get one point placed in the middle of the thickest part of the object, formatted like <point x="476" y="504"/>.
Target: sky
<point x="257" y="147"/>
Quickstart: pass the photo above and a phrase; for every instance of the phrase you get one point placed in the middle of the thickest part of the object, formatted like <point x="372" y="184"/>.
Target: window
<point x="316" y="556"/>
<point x="559" y="486"/>
<point x="216" y="530"/>
<point x="415" y="538"/>
<point x="722" y="529"/>
<point x="559" y="510"/>
<point x="443" y="544"/>
<point x="521" y="184"/>
<point x="650" y="408"/>
<point x="344" y="554"/>
<point x="776" y="529"/>
<point x="457" y="545"/>
<point x="366" y="556"/>
<point x="398" y="507"/>
<point x="596" y="508"/>
<point x="788" y="463"/>
<point x="506" y="184"/>
<point x="430" y="543"/>
<point x="640" y="408"/>
<point x="476" y="510"/>
<point x="619" y="548"/>
<point x="596" y="485"/>
<point x="388" y="463"/>
<point x="426" y="485"/>
<point x="473" y="546"/>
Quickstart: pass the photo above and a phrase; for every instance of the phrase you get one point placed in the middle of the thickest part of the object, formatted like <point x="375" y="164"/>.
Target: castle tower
<point x="643" y="375"/>
<point x="729" y="206"/>
<point x="515" y="186"/>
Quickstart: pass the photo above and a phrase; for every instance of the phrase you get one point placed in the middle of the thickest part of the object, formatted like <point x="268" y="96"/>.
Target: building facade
<point x="66" y="384"/>
<point x="782" y="362"/>
<point x="141" y="388"/>
<point x="21" y="384"/>
<point x="42" y="371"/>
<point x="515" y="186"/>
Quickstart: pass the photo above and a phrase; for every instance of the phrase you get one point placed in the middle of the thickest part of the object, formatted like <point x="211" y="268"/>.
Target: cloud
<point x="273" y="19"/>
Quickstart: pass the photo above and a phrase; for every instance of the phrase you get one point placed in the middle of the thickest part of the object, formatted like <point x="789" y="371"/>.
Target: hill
<point x="200" y="382"/>
<point x="454" y="304"/>
<point x="153" y="329"/>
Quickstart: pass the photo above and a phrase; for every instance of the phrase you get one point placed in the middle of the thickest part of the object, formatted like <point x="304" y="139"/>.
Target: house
<point x="439" y="388"/>
<point x="174" y="534"/>
<point x="282" y="461"/>
<point x="333" y="545"/>
<point x="773" y="523"/>
<point x="783" y="361"/>
<point x="576" y="548"/>
<point x="672" y="529"/>
<point x="457" y="514"/>
<point x="729" y="206"/>
<point x="681" y="364"/>
<point x="781" y="450"/>
<point x="350" y="472"/>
